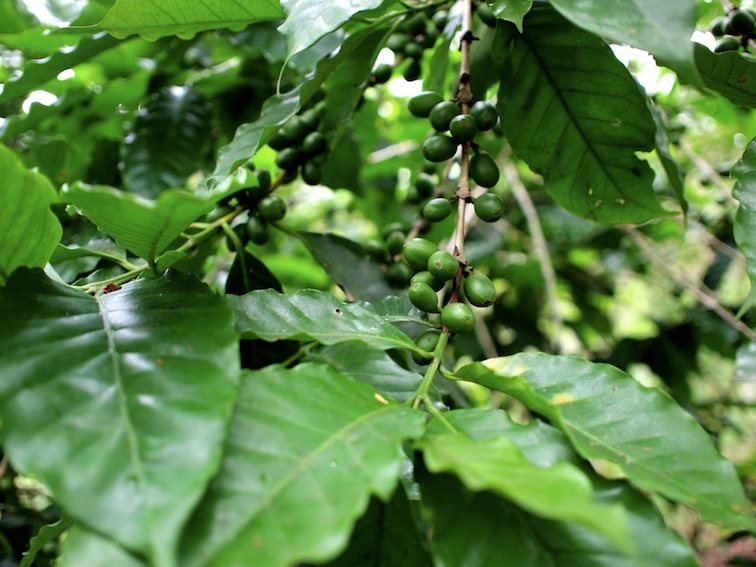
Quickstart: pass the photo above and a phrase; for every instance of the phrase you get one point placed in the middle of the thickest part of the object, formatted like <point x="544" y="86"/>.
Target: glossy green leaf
<point x="309" y="20"/>
<point x="29" y="231"/>
<point x="86" y="548"/>
<point x="745" y="219"/>
<point x="511" y="10"/>
<point x="38" y="72"/>
<point x="574" y="113"/>
<point x="248" y="273"/>
<point x="168" y="141"/>
<point x="479" y="529"/>
<point x="348" y="264"/>
<point x="307" y="448"/>
<point x="370" y="366"/>
<point x="153" y="20"/>
<point x="675" y="174"/>
<point x="560" y="491"/>
<point x="45" y="535"/>
<point x="608" y="415"/>
<point x="730" y="74"/>
<point x="38" y="42"/>
<point x="133" y="390"/>
<point x="142" y="226"/>
<point x="522" y="539"/>
<point x="663" y="28"/>
<point x="386" y="536"/>
<point x="311" y="315"/>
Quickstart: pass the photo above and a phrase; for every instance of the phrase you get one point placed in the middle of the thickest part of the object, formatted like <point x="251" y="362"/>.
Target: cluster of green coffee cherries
<point x="434" y="269"/>
<point x="412" y="36"/>
<point x="734" y="30"/>
<point x="263" y="208"/>
<point x="447" y="116"/>
<point x="301" y="146"/>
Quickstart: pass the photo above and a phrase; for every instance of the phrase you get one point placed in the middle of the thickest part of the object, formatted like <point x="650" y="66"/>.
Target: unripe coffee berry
<point x="443" y="265"/>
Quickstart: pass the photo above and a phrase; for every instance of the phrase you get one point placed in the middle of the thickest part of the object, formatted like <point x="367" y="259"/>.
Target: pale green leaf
<point x="86" y="548"/>
<point x="745" y="363"/>
<point x="155" y="19"/>
<point x="511" y="10"/>
<point x="608" y="415"/>
<point x="745" y="219"/>
<point x="142" y="226"/>
<point x="309" y="20"/>
<point x="311" y="315"/>
<point x="307" y="448"/>
<point x="29" y="231"/>
<point x="574" y="113"/>
<point x="662" y="28"/>
<point x="132" y="390"/>
<point x="730" y="74"/>
<point x="560" y="491"/>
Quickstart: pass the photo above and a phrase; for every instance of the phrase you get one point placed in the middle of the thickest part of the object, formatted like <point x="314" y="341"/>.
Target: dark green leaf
<point x="307" y="448"/>
<point x="312" y="315"/>
<point x="348" y="264"/>
<point x="675" y="174"/>
<point x="481" y="530"/>
<point x="140" y="225"/>
<point x="132" y="389"/>
<point x="575" y="115"/>
<point x="29" y="231"/>
<point x="37" y="73"/>
<point x="386" y="536"/>
<point x="661" y="28"/>
<point x="45" y="535"/>
<point x="608" y="415"/>
<point x="370" y="366"/>
<point x="168" y="141"/>
<point x="745" y="219"/>
<point x="560" y="491"/>
<point x="153" y="20"/>
<point x="730" y="74"/>
<point x="248" y="273"/>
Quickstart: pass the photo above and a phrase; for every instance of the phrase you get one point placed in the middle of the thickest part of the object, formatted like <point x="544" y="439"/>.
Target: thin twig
<point x="703" y="294"/>
<point x="540" y="246"/>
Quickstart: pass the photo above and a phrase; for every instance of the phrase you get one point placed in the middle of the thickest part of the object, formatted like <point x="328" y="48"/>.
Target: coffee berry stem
<point x="421" y="394"/>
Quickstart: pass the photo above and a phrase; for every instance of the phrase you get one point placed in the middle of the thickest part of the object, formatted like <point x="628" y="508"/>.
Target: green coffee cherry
<point x="463" y="127"/>
<point x="417" y="251"/>
<point x="398" y="274"/>
<point x="483" y="169"/>
<point x="257" y="230"/>
<point x="377" y="250"/>
<point x="741" y="22"/>
<point x="311" y="117"/>
<point x="437" y="209"/>
<point x="272" y="208"/>
<point x="296" y="129"/>
<point x="413" y="71"/>
<point x="413" y="50"/>
<point x="458" y="318"/>
<point x="281" y="140"/>
<point x="440" y="19"/>
<point x="439" y="148"/>
<point x="727" y="43"/>
<point x="485" y="114"/>
<point x="479" y="290"/>
<point x="263" y="181"/>
<point x="489" y="207"/>
<point x="415" y="24"/>
<point x="422" y="104"/>
<point x="382" y="73"/>
<point x="441" y="115"/>
<point x="397" y="41"/>
<point x="717" y="26"/>
<point x="312" y="172"/>
<point x="443" y="265"/>
<point x="423" y="297"/>
<point x="314" y="144"/>
<point x="430" y="35"/>
<point x="241" y="233"/>
<point x="425" y="184"/>
<point x="429" y="279"/>
<point x="426" y="341"/>
<point x="395" y="242"/>
<point x="289" y="159"/>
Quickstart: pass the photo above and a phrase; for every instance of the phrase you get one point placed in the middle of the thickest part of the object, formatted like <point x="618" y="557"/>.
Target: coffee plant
<point x="377" y="283"/>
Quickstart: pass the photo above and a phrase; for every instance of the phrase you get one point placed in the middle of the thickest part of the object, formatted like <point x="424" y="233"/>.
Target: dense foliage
<point x="376" y="282"/>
